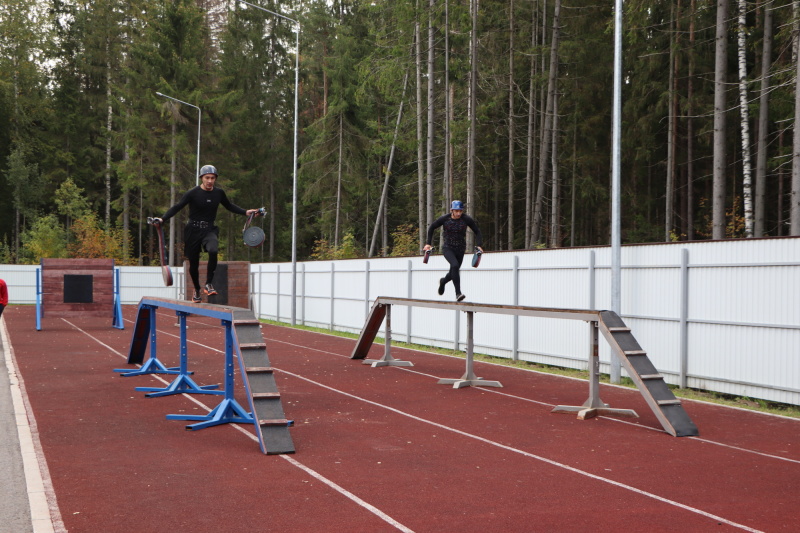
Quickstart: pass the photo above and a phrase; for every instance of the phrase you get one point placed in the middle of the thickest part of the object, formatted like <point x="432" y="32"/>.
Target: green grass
<point x="753" y="404"/>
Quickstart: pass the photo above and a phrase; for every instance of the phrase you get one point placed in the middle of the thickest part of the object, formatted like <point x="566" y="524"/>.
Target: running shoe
<point x="209" y="289"/>
<point x="441" y="286"/>
<point x="460" y="297"/>
<point x="196" y="296"/>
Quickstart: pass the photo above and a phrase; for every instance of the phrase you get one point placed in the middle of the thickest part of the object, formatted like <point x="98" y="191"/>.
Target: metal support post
<point x="183" y="383"/>
<point x="469" y="379"/>
<point x="117" y="323"/>
<point x="593" y="406"/>
<point x="387" y="359"/>
<point x="408" y="308"/>
<point x="684" y="372"/>
<point x="333" y="294"/>
<point x="153" y="365"/>
<point x="229" y="410"/>
<point x="38" y="299"/>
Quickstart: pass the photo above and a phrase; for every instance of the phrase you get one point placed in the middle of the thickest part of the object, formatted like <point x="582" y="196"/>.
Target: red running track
<point x="382" y="449"/>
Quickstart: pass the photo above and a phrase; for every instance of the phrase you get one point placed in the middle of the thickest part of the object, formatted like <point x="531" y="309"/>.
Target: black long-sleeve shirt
<point x="203" y="205"/>
<point x="455" y="231"/>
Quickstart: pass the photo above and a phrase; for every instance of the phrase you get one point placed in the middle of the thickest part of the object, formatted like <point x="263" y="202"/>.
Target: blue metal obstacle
<point x="243" y="338"/>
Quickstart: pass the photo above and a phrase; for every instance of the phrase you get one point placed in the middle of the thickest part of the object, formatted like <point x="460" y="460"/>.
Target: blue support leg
<point x="38" y="299"/>
<point x="183" y="383"/>
<point x="229" y="410"/>
<point x="153" y="365"/>
<point x="117" y="323"/>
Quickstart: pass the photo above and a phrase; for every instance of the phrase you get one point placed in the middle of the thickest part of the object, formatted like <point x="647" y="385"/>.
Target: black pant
<point x="455" y="258"/>
<point x="1" y="309"/>
<point x="194" y="241"/>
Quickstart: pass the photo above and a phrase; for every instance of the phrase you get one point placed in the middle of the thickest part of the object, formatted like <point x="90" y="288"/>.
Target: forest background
<point x="408" y="104"/>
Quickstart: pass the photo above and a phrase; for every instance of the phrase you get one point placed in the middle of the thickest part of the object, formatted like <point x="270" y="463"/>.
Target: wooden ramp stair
<point x="369" y="331"/>
<point x="651" y="384"/>
<point x="259" y="382"/>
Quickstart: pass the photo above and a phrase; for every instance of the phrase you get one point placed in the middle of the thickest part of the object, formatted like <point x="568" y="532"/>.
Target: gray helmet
<point x="208" y="169"/>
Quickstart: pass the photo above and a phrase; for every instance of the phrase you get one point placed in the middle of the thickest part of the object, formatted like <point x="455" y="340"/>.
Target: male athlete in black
<point x="454" y="225"/>
<point x="200" y="232"/>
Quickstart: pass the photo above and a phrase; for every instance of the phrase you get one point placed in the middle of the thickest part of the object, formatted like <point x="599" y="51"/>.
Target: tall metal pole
<point x="294" y="177"/>
<point x="294" y="160"/>
<point x="199" y="120"/>
<point x="616" y="240"/>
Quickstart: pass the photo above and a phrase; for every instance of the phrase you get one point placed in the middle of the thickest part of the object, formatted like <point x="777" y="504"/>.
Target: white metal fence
<point x="722" y="316"/>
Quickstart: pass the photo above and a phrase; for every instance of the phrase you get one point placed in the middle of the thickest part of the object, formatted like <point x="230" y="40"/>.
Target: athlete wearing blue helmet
<point x="454" y="227"/>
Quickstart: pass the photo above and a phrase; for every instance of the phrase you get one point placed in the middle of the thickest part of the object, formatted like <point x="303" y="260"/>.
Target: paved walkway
<point x="15" y="510"/>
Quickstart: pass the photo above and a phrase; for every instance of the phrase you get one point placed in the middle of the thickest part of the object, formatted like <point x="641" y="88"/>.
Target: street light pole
<point x="294" y="161"/>
<point x="616" y="206"/>
<point x="199" y="119"/>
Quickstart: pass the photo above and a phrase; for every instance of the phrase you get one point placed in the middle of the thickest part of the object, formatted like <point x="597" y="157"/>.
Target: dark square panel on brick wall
<point x="78" y="288"/>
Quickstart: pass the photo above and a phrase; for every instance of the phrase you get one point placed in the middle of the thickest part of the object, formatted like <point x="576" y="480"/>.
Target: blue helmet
<point x="208" y="169"/>
<point x="457" y="204"/>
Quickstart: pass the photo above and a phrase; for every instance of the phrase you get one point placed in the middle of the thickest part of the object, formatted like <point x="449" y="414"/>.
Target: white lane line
<point x="528" y="454"/>
<point x="634" y="489"/>
<point x="358" y="501"/>
<point x="45" y="514"/>
<point x="521" y="398"/>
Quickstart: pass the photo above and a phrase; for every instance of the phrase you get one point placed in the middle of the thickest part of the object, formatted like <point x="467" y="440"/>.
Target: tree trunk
<point x="511" y="136"/>
<point x="781" y="175"/>
<point x="431" y="118"/>
<point x="690" y="132"/>
<point x="451" y="117"/>
<point x="574" y="178"/>
<point x="447" y="178"/>
<point x="720" y="155"/>
<point x="763" y="124"/>
<point x="339" y="183"/>
<point x="126" y="205"/>
<point x="420" y="149"/>
<point x="172" y="183"/>
<point x="109" y="117"/>
<point x="385" y="192"/>
<point x="744" y="111"/>
<point x="473" y="102"/>
<point x="671" y="127"/>
<point x="271" y="220"/>
<point x="547" y="134"/>
<point x="141" y="221"/>
<point x="385" y="240"/>
<point x="529" y="156"/>
<point x="555" y="211"/>
<point x="794" y="199"/>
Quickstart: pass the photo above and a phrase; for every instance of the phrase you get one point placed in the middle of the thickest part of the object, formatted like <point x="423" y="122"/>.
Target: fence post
<point x="303" y="295"/>
<point x="457" y="342"/>
<point x="260" y="292"/>
<point x="515" y="348"/>
<point x="408" y="307"/>
<point x="255" y="285"/>
<point x="366" y="290"/>
<point x="278" y="292"/>
<point x="591" y="280"/>
<point x="684" y="317"/>
<point x="333" y="271"/>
